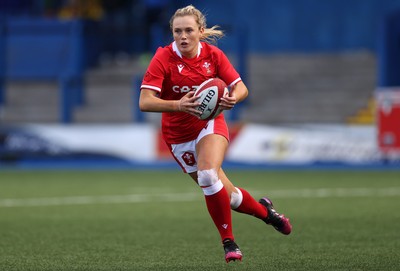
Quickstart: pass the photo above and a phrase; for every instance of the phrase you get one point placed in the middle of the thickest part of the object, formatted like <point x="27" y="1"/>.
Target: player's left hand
<point x="228" y="101"/>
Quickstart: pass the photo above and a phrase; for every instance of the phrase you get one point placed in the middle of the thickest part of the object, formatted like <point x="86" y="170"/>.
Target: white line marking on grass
<point x="83" y="200"/>
<point x="187" y="197"/>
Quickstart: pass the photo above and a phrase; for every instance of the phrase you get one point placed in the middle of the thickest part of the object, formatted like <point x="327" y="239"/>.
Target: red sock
<point x="218" y="206"/>
<point x="250" y="206"/>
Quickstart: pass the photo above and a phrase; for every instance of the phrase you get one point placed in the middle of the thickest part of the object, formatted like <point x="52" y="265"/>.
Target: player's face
<point x="187" y="35"/>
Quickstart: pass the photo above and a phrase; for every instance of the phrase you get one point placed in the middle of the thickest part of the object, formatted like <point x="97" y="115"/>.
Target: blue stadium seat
<point x="44" y="49"/>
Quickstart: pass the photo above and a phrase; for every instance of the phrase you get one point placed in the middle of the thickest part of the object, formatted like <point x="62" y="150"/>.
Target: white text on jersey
<point x="184" y="89"/>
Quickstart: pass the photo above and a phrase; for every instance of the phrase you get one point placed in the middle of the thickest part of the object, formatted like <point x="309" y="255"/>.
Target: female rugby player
<point x="199" y="146"/>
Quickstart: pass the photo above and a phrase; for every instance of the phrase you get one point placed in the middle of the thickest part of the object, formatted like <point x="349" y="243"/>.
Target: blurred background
<point x="324" y="81"/>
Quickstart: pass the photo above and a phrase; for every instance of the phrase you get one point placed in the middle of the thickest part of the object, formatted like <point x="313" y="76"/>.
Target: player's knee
<point x="207" y="177"/>
<point x="209" y="182"/>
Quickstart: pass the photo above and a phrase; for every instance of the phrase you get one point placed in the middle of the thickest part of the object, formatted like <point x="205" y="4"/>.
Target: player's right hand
<point x="189" y="104"/>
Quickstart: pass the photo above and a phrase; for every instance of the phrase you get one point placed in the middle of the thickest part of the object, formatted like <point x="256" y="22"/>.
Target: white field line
<point x="187" y="197"/>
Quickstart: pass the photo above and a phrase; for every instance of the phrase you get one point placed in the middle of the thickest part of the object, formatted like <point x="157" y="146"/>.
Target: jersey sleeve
<point x="226" y="71"/>
<point x="155" y="74"/>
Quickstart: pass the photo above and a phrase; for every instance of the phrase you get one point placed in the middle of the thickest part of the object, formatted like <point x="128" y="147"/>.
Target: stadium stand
<point x="365" y="115"/>
<point x="296" y="73"/>
<point x="41" y="50"/>
<point x="319" y="88"/>
<point x="284" y="89"/>
<point x="110" y="91"/>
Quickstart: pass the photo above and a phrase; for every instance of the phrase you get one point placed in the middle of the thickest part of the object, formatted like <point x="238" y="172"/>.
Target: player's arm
<point x="238" y="90"/>
<point x="150" y="102"/>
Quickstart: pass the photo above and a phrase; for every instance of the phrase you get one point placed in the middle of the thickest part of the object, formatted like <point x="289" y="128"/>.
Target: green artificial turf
<point x="137" y="220"/>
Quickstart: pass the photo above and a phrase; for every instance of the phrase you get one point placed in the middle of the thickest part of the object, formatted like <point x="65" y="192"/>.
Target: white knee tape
<point x="209" y="182"/>
<point x="236" y="198"/>
<point x="207" y="177"/>
<point x="213" y="189"/>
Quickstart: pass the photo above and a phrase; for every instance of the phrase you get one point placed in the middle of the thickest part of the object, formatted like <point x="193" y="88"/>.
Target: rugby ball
<point x="210" y="93"/>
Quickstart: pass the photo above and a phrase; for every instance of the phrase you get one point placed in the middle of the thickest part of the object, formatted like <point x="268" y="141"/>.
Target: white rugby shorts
<point x="185" y="153"/>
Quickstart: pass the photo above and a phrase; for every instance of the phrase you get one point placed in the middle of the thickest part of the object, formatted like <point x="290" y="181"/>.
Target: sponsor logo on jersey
<point x="184" y="89"/>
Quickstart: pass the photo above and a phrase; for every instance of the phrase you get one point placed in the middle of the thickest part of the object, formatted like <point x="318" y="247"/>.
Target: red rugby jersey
<point x="173" y="75"/>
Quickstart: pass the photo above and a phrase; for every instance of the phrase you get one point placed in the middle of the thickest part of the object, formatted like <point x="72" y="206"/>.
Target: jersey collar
<point x="176" y="50"/>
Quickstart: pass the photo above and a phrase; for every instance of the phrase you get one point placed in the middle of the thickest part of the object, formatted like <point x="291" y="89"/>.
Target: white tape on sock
<point x="236" y="198"/>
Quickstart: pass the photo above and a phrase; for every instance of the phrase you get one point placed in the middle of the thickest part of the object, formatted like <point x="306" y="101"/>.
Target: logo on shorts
<point x="189" y="159"/>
